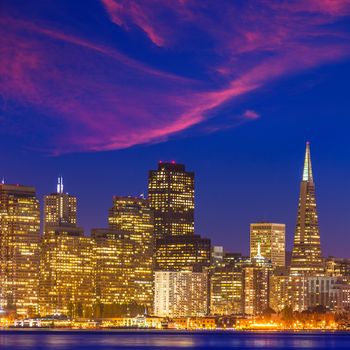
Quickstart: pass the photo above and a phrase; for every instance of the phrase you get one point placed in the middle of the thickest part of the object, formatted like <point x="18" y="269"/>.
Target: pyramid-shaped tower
<point x="306" y="257"/>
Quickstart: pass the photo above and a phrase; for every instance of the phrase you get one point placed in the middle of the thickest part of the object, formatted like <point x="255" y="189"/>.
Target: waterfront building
<point x="171" y="196"/>
<point x="256" y="284"/>
<point x="306" y="257"/>
<point x="134" y="217"/>
<point x="331" y="292"/>
<point x="226" y="286"/>
<point x="116" y="259"/>
<point x="19" y="249"/>
<point x="337" y="267"/>
<point x="271" y="237"/>
<point x="278" y="291"/>
<point x="297" y="292"/>
<point x="66" y="260"/>
<point x="184" y="252"/>
<point x="66" y="272"/>
<point x="181" y="293"/>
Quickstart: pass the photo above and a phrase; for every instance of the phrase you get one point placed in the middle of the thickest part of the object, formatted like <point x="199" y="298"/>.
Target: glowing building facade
<point x="271" y="237"/>
<point x="134" y="217"/>
<point x="171" y="196"/>
<point x="115" y="262"/>
<point x="176" y="253"/>
<point x="226" y="286"/>
<point x="60" y="208"/>
<point x="306" y="256"/>
<point x="256" y="285"/>
<point x="66" y="273"/>
<point x="19" y="248"/>
<point x="67" y="261"/>
<point x="181" y="293"/>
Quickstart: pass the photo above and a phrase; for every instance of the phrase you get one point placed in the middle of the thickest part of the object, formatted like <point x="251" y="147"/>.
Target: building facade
<point x="185" y="252"/>
<point x="115" y="258"/>
<point x="226" y="286"/>
<point x="60" y="208"/>
<point x="66" y="273"/>
<point x="134" y="217"/>
<point x="306" y="256"/>
<point x="181" y="293"/>
<point x="66" y="260"/>
<point x="171" y="196"/>
<point x="271" y="237"/>
<point x="256" y="285"/>
<point x="19" y="248"/>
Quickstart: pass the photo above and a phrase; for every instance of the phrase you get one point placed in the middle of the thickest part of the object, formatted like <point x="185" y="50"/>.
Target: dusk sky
<point x="100" y="91"/>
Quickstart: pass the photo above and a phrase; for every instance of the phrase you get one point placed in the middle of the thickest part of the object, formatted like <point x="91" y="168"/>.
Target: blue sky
<point x="100" y="91"/>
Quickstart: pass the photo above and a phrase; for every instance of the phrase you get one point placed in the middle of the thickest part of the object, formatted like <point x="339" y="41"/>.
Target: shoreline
<point x="173" y="331"/>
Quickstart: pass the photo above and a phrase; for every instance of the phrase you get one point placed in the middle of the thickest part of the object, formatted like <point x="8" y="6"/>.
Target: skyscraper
<point x="226" y="285"/>
<point x="60" y="208"/>
<point x="134" y="217"/>
<point x="171" y="195"/>
<point x="19" y="248"/>
<point x="181" y="293"/>
<point x="187" y="252"/>
<point x="256" y="284"/>
<point x="66" y="264"/>
<point x="272" y="238"/>
<point x="115" y="256"/>
<point x="306" y="257"/>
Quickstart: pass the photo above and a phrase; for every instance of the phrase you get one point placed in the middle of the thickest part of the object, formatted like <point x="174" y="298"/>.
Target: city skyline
<point x="99" y="93"/>
<point x="307" y="175"/>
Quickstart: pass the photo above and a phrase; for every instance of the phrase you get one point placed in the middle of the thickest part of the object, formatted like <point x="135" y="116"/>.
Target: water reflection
<point x="64" y="340"/>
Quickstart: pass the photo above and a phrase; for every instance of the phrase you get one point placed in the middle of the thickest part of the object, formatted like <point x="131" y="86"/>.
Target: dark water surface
<point x="106" y="340"/>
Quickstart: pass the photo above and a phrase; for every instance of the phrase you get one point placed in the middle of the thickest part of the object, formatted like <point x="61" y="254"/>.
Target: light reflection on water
<point x="78" y="340"/>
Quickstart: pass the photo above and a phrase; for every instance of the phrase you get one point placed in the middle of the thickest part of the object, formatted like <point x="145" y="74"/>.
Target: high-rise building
<point x="19" y="248"/>
<point x="272" y="239"/>
<point x="67" y="261"/>
<point x="256" y="285"/>
<point x="226" y="285"/>
<point x="171" y="196"/>
<point x="134" y="217"/>
<point x="181" y="293"/>
<point x="66" y="272"/>
<point x="60" y="208"/>
<point x="185" y="252"/>
<point x="279" y="296"/>
<point x="306" y="257"/>
<point x="115" y="256"/>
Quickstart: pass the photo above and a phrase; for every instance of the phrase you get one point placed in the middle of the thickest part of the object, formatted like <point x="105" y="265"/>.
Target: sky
<point x="99" y="91"/>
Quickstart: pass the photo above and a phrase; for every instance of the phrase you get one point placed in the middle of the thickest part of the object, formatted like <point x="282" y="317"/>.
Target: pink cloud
<point x="250" y="114"/>
<point x="103" y="98"/>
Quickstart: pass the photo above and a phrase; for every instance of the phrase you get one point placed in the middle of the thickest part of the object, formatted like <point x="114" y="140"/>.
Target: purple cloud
<point x="104" y="98"/>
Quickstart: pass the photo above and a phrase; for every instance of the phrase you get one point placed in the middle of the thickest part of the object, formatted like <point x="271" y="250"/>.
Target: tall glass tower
<point x="306" y="257"/>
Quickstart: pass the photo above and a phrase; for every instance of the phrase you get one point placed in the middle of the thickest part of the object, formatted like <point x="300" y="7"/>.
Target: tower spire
<point x="307" y="172"/>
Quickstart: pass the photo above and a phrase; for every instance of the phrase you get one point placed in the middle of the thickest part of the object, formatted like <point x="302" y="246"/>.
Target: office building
<point x="271" y="237"/>
<point x="134" y="217"/>
<point x="256" y="285"/>
<point x="306" y="256"/>
<point x="19" y="249"/>
<point x="226" y="285"/>
<point x="185" y="252"/>
<point x="67" y="261"/>
<point x="66" y="272"/>
<point x="60" y="208"/>
<point x="116" y="259"/>
<point x="171" y="196"/>
<point x="181" y="293"/>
